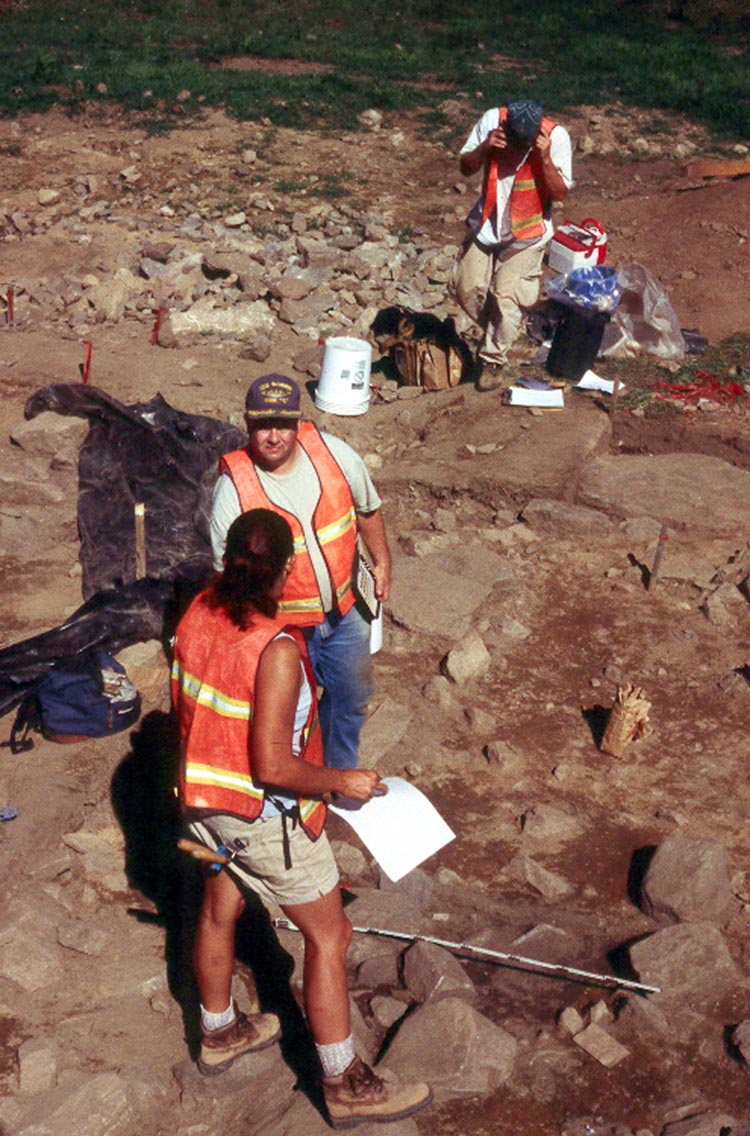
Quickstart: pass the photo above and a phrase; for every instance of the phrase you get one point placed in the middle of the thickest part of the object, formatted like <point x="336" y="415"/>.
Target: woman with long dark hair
<point x="252" y="781"/>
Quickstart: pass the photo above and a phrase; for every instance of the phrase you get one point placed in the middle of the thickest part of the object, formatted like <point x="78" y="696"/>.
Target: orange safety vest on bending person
<point x="213" y="692"/>
<point x="334" y="522"/>
<point x="528" y="201"/>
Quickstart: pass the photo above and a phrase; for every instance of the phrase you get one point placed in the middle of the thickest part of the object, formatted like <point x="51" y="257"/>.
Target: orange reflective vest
<point x="528" y="200"/>
<point x="213" y="693"/>
<point x="334" y="522"/>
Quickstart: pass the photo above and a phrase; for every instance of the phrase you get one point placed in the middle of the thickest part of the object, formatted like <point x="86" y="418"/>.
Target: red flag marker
<point x="9" y="318"/>
<point x="86" y="367"/>
<point x="157" y="325"/>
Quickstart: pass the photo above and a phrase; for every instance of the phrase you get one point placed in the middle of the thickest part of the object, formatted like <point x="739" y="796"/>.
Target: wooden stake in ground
<point x="654" y="573"/>
<point x="140" y="540"/>
<point x="613" y="407"/>
<point x="628" y="720"/>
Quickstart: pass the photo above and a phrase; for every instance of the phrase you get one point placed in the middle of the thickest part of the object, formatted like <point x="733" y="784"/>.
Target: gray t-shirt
<point x="297" y="492"/>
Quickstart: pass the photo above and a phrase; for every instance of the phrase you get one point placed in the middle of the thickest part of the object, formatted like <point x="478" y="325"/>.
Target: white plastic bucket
<point x="344" y="384"/>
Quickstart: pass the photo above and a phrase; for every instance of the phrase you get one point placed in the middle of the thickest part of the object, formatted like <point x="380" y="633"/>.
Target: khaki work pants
<point x="493" y="287"/>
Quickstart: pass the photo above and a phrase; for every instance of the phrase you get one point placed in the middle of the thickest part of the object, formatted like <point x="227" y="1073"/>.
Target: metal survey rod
<point x="557" y="968"/>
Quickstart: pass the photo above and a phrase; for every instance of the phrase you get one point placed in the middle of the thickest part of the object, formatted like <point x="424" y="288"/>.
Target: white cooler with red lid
<point x="577" y="246"/>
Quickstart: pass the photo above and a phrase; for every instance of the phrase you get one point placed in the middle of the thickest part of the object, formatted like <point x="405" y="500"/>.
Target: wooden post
<point x="658" y="557"/>
<point x="140" y="540"/>
<point x="613" y="407"/>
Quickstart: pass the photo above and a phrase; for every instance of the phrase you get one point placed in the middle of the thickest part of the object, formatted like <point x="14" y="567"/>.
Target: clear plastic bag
<point x="645" y="318"/>
<point x="594" y="289"/>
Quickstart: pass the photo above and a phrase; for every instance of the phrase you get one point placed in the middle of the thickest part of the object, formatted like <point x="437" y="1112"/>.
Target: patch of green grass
<point x="334" y="186"/>
<point x="394" y="57"/>
<point x="727" y="362"/>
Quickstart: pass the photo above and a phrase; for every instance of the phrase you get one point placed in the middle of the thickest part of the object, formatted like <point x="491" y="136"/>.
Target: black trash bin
<point x="576" y="342"/>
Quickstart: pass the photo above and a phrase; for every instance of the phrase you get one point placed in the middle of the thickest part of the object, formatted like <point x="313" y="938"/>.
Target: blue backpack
<point x="87" y="696"/>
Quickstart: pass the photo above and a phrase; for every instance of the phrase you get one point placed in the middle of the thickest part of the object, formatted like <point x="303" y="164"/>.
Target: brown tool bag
<point x="426" y="351"/>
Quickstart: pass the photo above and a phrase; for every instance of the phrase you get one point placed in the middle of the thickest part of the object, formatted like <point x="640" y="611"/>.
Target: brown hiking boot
<point x="359" y="1096"/>
<point x="220" y="1048"/>
<point x="491" y="377"/>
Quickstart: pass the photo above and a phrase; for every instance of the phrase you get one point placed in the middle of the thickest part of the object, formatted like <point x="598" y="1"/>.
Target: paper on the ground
<point x="591" y="382"/>
<point x="400" y="829"/>
<point x="549" y="399"/>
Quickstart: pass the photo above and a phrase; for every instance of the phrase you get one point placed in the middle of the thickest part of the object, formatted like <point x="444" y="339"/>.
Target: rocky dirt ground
<point x="535" y="533"/>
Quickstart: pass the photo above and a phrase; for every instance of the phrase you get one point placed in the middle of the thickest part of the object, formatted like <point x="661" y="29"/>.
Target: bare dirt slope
<point x="566" y="615"/>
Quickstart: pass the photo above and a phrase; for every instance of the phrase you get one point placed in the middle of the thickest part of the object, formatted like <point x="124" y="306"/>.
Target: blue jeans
<point x="340" y="654"/>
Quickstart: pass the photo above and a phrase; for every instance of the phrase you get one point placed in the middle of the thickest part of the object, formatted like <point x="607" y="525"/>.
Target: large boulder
<point x="688" y="881"/>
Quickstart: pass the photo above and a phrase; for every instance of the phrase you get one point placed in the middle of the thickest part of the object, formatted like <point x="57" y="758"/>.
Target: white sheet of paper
<point x="523" y="396"/>
<point x="591" y="382"/>
<point x="401" y="829"/>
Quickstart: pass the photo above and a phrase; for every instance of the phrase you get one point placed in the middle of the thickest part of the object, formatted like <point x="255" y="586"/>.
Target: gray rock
<point x="456" y="1050"/>
<point x="741" y="1038"/>
<point x="688" y="880"/>
<point x="352" y="863"/>
<point x="386" y="1010"/>
<point x="431" y="973"/>
<point x="318" y="254"/>
<point x="384" y="729"/>
<point x="86" y="938"/>
<point x="392" y="911"/>
<point x="689" y="962"/>
<point x="709" y="1123"/>
<point x="416" y="884"/>
<point x="685" y="490"/>
<point x="500" y="754"/>
<point x="242" y="321"/>
<point x="547" y="883"/>
<point x="439" y="691"/>
<point x="570" y="1022"/>
<point x="156" y="250"/>
<point x="425" y="596"/>
<point x="482" y="724"/>
<point x="108" y="299"/>
<point x="547" y="943"/>
<point x="38" y="1062"/>
<point x="726" y="607"/>
<point x="308" y="360"/>
<point x="306" y="313"/>
<point x="52" y="436"/>
<point x="380" y="969"/>
<point x="28" y="487"/>
<point x="552" y="826"/>
<point x="564" y="520"/>
<point x="639" y="1016"/>
<point x="291" y="287"/>
<point x="600" y="1045"/>
<point x="468" y="660"/>
<point x="87" y="1106"/>
<point x="258" y="348"/>
<point x="29" y="955"/>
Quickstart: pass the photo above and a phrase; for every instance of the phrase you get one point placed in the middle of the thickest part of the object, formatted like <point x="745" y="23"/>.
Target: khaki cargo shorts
<point x="260" y="865"/>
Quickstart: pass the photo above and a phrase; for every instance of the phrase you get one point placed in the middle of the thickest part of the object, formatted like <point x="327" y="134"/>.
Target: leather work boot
<point x="220" y="1048"/>
<point x="491" y="377"/>
<point x="359" y="1096"/>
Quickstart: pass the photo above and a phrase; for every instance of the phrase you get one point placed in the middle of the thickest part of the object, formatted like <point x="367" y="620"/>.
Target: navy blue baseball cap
<point x="525" y="119"/>
<point x="273" y="396"/>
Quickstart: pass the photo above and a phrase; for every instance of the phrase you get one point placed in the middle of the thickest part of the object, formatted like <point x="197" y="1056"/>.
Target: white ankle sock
<point x="211" y="1021"/>
<point x="336" y="1057"/>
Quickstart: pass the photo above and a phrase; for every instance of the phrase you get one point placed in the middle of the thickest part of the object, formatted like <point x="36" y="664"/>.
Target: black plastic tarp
<point x="149" y="453"/>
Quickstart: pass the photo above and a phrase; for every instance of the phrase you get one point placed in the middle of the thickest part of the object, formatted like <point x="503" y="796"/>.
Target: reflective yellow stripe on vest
<point x="197" y="773"/>
<point x="209" y="696"/>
